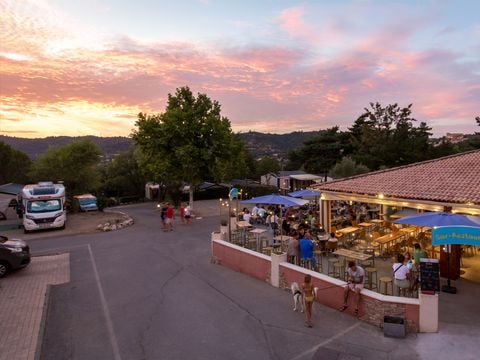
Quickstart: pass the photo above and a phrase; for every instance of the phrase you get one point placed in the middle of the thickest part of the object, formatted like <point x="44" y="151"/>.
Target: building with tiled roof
<point x="451" y="181"/>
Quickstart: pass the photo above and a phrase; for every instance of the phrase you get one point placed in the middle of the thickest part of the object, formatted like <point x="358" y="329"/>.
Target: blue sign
<point x="233" y="193"/>
<point x="461" y="235"/>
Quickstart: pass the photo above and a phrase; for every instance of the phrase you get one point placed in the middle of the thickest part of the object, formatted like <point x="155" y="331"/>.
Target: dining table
<point x="388" y="239"/>
<point x="257" y="232"/>
<point x="352" y="254"/>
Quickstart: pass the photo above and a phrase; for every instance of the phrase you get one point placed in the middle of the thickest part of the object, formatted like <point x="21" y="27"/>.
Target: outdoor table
<point x="348" y="230"/>
<point x="365" y="224"/>
<point x="351" y="254"/>
<point x="388" y="239"/>
<point x="257" y="232"/>
<point x="243" y="225"/>
<point x="322" y="240"/>
<point x="409" y="230"/>
<point x="377" y="221"/>
<point x="395" y="217"/>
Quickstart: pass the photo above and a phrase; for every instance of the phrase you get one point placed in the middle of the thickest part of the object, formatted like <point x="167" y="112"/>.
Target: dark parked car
<point x="14" y="254"/>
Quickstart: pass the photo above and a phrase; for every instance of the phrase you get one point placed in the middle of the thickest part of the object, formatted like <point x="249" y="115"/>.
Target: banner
<point x="461" y="235"/>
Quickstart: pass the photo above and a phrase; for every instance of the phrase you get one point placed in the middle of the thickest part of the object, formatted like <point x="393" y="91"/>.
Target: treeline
<point x="191" y="142"/>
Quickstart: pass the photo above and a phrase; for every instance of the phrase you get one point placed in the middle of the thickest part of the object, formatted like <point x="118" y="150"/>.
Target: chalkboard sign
<point x="429" y="276"/>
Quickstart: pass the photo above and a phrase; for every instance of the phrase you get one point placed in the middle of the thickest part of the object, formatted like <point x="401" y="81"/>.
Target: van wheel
<point x="4" y="268"/>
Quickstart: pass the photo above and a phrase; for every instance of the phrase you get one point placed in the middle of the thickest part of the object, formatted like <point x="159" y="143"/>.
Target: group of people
<point x="405" y="271"/>
<point x="167" y="215"/>
<point x="300" y="248"/>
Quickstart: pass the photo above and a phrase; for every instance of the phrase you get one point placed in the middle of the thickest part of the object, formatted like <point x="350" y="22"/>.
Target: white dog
<point x="297" y="297"/>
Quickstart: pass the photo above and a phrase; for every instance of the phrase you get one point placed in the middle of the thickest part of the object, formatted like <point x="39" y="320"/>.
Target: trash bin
<point x="394" y="326"/>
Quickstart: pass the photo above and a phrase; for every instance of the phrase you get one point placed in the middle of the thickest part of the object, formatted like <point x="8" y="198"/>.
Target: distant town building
<point x="455" y="137"/>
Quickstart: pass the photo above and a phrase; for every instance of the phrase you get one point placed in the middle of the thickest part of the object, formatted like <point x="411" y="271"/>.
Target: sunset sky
<point x="86" y="67"/>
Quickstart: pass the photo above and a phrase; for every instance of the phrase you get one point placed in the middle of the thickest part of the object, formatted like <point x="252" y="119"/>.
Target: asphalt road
<point x="141" y="293"/>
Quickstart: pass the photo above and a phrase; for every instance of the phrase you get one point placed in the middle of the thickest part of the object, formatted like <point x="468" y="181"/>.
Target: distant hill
<point x="259" y="144"/>
<point x="275" y="145"/>
<point x="34" y="147"/>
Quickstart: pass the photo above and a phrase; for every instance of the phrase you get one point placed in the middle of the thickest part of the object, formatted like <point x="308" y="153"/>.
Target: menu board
<point x="429" y="276"/>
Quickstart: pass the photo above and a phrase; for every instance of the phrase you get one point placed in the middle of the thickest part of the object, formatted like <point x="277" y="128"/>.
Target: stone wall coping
<point x="241" y="249"/>
<point x="341" y="283"/>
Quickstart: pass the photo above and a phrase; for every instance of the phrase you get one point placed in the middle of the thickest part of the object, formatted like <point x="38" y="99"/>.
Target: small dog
<point x="297" y="297"/>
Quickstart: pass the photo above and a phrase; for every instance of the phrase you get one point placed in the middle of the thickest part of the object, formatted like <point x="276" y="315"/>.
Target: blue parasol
<point x="304" y="193"/>
<point x="275" y="199"/>
<point x="433" y="219"/>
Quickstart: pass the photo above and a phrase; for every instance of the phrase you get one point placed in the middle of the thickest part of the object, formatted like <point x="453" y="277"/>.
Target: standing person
<point x="306" y="251"/>
<point x="401" y="275"/>
<point x="308" y="297"/>
<point x="163" y="212"/>
<point x="418" y="253"/>
<point x="293" y="250"/>
<point x="182" y="213"/>
<point x="188" y="214"/>
<point x="169" y="218"/>
<point x="356" y="277"/>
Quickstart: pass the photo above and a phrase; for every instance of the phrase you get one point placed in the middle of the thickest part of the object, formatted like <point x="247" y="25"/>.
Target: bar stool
<point x="385" y="280"/>
<point x="267" y="250"/>
<point x="319" y="257"/>
<point x="330" y="269"/>
<point x="338" y="270"/>
<point x="306" y="263"/>
<point x="371" y="271"/>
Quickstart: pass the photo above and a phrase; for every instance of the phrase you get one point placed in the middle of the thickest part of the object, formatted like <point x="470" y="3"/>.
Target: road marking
<point x="55" y="251"/>
<point x="325" y="342"/>
<point x="111" y="333"/>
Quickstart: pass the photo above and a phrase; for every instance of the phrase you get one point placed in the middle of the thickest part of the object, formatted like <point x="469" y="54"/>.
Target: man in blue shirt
<point x="306" y="249"/>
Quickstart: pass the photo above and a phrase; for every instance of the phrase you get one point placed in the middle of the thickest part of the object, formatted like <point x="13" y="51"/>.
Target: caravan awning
<point x="306" y="177"/>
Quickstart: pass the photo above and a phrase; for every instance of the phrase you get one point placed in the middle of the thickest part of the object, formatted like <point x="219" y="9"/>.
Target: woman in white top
<point x="401" y="274"/>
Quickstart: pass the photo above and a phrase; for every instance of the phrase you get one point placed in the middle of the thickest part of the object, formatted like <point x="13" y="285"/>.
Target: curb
<point x="43" y="320"/>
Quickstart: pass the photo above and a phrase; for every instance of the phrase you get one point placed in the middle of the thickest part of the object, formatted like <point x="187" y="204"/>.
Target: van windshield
<point x="87" y="201"/>
<point x="43" y="206"/>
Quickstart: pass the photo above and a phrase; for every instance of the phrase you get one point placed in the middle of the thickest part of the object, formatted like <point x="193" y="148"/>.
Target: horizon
<point x="87" y="68"/>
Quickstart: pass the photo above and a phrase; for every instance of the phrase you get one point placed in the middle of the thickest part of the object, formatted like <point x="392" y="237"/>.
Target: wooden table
<point x="257" y="232"/>
<point x="395" y="217"/>
<point x="377" y="221"/>
<point x="243" y="224"/>
<point x="409" y="230"/>
<point x="365" y="224"/>
<point x="348" y="230"/>
<point x="388" y="239"/>
<point x="351" y="254"/>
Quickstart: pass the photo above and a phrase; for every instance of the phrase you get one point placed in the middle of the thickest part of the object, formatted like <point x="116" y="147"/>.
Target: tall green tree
<point x="122" y="176"/>
<point x="76" y="164"/>
<point x="386" y="137"/>
<point x="319" y="154"/>
<point x="266" y="165"/>
<point x="15" y="165"/>
<point x="189" y="143"/>
<point x="347" y="167"/>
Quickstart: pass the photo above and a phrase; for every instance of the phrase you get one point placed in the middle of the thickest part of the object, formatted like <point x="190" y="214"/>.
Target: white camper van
<point x="43" y="206"/>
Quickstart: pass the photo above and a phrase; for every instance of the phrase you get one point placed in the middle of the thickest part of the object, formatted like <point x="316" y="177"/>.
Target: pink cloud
<point x="268" y="88"/>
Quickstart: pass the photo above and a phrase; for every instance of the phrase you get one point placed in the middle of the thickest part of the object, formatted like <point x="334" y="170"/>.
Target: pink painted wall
<point x="242" y="261"/>
<point x="328" y="294"/>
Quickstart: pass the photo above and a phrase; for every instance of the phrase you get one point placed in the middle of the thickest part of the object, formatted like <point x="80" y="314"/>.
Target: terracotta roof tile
<point x="454" y="179"/>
